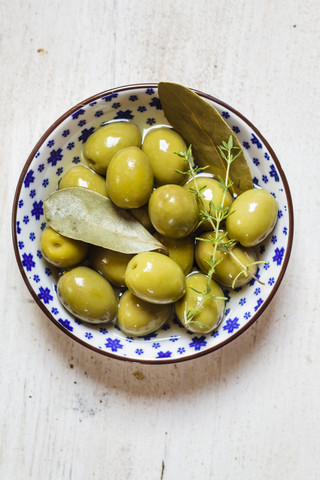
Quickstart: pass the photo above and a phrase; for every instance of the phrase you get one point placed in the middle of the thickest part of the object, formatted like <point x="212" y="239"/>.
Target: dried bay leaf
<point x="201" y="125"/>
<point x="84" y="215"/>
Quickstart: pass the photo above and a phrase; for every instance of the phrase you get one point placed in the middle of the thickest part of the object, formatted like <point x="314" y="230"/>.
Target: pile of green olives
<point x="140" y="292"/>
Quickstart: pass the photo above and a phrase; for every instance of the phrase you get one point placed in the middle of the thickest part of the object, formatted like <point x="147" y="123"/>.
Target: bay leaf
<point x="84" y="215"/>
<point x="202" y="126"/>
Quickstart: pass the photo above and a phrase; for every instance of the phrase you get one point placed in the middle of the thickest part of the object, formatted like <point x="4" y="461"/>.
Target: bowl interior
<point x="60" y="148"/>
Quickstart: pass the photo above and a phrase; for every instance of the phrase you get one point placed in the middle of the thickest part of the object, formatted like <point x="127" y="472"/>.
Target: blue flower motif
<point x="255" y="181"/>
<point x="47" y="271"/>
<point x="173" y="338"/>
<point x="18" y="227"/>
<point x="36" y="278"/>
<point x="271" y="281"/>
<point x="76" y="160"/>
<point x="285" y="231"/>
<point x="278" y="255"/>
<point x="198" y="342"/>
<point x="85" y="134"/>
<point x="39" y="254"/>
<point x="149" y="91"/>
<point x="54" y="310"/>
<point x="124" y="114"/>
<point x="98" y="113"/>
<point x="77" y="114"/>
<point x="116" y="105"/>
<point x="45" y="182"/>
<point x="247" y="315"/>
<point x="156" y="345"/>
<point x="164" y="354"/>
<point x="129" y="339"/>
<point x="108" y="98"/>
<point x="59" y="171"/>
<point x="32" y="236"/>
<point x="32" y="193"/>
<point x="256" y="161"/>
<point x="262" y="249"/>
<point x="139" y="351"/>
<point x="246" y="145"/>
<point x="103" y="331"/>
<point x="267" y="156"/>
<point x="273" y="173"/>
<point x="29" y="178"/>
<point x="215" y="334"/>
<point x="82" y="122"/>
<point x="231" y="325"/>
<point x="280" y="213"/>
<point x="26" y="219"/>
<point x="133" y="98"/>
<point x="225" y="114"/>
<point x="266" y="266"/>
<point x="55" y="157"/>
<point x="20" y="203"/>
<point x="274" y="239"/>
<point x="255" y="141"/>
<point x="27" y="261"/>
<point x="88" y="335"/>
<point x="113" y="344"/>
<point x="65" y="133"/>
<point x="45" y="295"/>
<point x="37" y="155"/>
<point x="265" y="179"/>
<point x="142" y="109"/>
<point x="259" y="302"/>
<point x="43" y="225"/>
<point x="155" y="102"/>
<point x="151" y="121"/>
<point x="66" y="324"/>
<point x="92" y="104"/>
<point x="151" y="335"/>
<point x="257" y="291"/>
<point x="70" y="145"/>
<point x="20" y="245"/>
<point x="181" y="350"/>
<point x="242" y="301"/>
<point x="50" y="143"/>
<point x="37" y="210"/>
<point x="41" y="167"/>
<point x="236" y="129"/>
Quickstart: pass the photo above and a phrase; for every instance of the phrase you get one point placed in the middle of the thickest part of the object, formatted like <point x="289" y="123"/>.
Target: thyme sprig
<point x="214" y="215"/>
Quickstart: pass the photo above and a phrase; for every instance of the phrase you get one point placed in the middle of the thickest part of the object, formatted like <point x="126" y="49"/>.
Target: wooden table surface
<point x="249" y="411"/>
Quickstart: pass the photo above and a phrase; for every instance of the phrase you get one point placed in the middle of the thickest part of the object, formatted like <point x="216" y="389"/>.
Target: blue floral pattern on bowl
<point x="60" y="148"/>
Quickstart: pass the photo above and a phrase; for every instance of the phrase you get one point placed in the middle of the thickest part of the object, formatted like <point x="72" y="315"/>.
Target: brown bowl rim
<point x="164" y="360"/>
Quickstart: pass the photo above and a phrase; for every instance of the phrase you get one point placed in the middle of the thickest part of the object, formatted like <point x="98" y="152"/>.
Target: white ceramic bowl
<point x="59" y="148"/>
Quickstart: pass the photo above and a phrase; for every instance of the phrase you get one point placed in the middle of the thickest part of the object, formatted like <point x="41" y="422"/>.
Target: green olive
<point x="87" y="295"/>
<point x="160" y="145"/>
<point x="211" y="191"/>
<point x="173" y="211"/>
<point x="81" y="176"/>
<point x="181" y="250"/>
<point x="231" y="265"/>
<point x="211" y="310"/>
<point x="129" y="178"/>
<point x="142" y="215"/>
<point x="112" y="265"/>
<point x="107" y="140"/>
<point x="155" y="278"/>
<point x="255" y="215"/>
<point x="138" y="317"/>
<point x="61" y="251"/>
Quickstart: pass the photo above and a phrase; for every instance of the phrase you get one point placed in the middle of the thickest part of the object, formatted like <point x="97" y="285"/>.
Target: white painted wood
<point x="249" y="411"/>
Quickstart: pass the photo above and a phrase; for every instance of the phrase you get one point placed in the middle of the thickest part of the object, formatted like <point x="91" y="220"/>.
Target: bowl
<point x="59" y="149"/>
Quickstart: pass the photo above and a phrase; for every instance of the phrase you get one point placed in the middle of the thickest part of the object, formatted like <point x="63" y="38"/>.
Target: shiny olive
<point x="173" y="211"/>
<point x="155" y="278"/>
<point x="138" y="317"/>
<point x="181" y="250"/>
<point x="160" y="145"/>
<point x="81" y="176"/>
<point x="110" y="264"/>
<point x="211" y="310"/>
<point x="142" y="215"/>
<point x="107" y="140"/>
<point x="61" y="251"/>
<point x="255" y="215"/>
<point x="211" y="191"/>
<point x="232" y="263"/>
<point x="129" y="178"/>
<point x="87" y="295"/>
